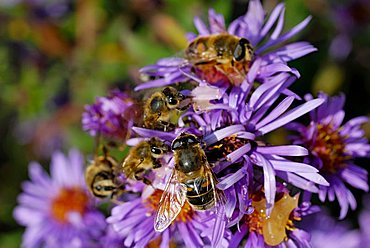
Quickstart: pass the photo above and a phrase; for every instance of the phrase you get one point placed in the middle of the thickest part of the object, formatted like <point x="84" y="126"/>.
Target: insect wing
<point x="219" y="196"/>
<point x="130" y="165"/>
<point x="170" y="205"/>
<point x="203" y="59"/>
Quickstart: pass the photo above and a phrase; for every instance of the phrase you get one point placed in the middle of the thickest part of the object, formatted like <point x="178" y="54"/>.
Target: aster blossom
<point x="334" y="146"/>
<point x="233" y="144"/>
<point x="233" y="132"/>
<point x="57" y="210"/>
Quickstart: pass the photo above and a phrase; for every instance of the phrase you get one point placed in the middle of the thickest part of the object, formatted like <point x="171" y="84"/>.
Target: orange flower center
<point x="330" y="148"/>
<point x="152" y="203"/>
<point x="69" y="200"/>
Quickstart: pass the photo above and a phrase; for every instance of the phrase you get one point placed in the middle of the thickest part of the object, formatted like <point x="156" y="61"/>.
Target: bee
<point x="220" y="58"/>
<point x="192" y="180"/>
<point x="100" y="176"/>
<point x="158" y="108"/>
<point x="144" y="157"/>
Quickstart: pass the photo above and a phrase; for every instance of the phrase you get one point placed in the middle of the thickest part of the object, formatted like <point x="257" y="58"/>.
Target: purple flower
<point x="134" y="222"/>
<point x="263" y="34"/>
<point x="111" y="116"/>
<point x="333" y="147"/>
<point x="57" y="211"/>
<point x="233" y="133"/>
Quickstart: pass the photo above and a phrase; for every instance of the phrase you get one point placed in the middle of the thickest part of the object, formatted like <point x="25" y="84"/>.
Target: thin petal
<point x="287" y="150"/>
<point x="269" y="180"/>
<point x="222" y="133"/>
<point x="291" y="115"/>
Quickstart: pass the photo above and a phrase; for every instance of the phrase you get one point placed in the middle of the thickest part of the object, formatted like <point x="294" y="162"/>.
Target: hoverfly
<point x="159" y="106"/>
<point x="220" y="58"/>
<point x="192" y="180"/>
<point x="142" y="158"/>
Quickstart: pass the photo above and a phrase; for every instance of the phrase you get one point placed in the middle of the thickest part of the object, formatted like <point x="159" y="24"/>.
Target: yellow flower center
<point x="330" y="148"/>
<point x="152" y="203"/>
<point x="69" y="200"/>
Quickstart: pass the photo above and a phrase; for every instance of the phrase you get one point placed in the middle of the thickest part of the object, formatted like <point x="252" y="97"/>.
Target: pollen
<point x="224" y="147"/>
<point x="152" y="203"/>
<point x="329" y="146"/>
<point x="69" y="200"/>
<point x="273" y="227"/>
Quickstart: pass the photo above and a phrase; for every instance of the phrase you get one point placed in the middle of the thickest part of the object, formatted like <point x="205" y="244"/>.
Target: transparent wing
<point x="170" y="205"/>
<point x="204" y="59"/>
<point x="219" y="196"/>
<point x="130" y="166"/>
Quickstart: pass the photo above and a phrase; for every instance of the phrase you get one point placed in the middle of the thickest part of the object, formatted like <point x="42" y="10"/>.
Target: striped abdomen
<point x="200" y="193"/>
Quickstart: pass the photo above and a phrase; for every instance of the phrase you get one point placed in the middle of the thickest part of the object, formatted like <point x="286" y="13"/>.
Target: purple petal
<point x="148" y="133"/>
<point x="222" y="133"/>
<point x="355" y="180"/>
<point x="219" y="228"/>
<point x="200" y="26"/>
<point x="254" y="70"/>
<point x="254" y="19"/>
<point x="287" y="150"/>
<point x="276" y="112"/>
<point x="266" y="87"/>
<point x="238" y="236"/>
<point x="285" y="36"/>
<point x="290" y="166"/>
<point x="216" y="22"/>
<point x="298" y="181"/>
<point x="314" y="177"/>
<point x="290" y="52"/>
<point x="279" y="26"/>
<point x="269" y="180"/>
<point x="291" y="115"/>
<point x="231" y="179"/>
<point x="238" y="153"/>
<point x="271" y="20"/>
<point x="231" y="202"/>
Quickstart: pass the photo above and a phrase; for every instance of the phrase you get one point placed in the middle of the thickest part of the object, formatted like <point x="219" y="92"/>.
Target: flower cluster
<point x="221" y="182"/>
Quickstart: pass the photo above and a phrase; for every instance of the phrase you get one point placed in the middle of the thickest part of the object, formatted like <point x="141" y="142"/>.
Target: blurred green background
<point x="58" y="55"/>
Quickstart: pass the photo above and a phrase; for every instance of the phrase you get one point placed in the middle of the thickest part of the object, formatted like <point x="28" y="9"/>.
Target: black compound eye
<point x="239" y="52"/>
<point x="172" y="101"/>
<point x="98" y="188"/>
<point x="156" y="150"/>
